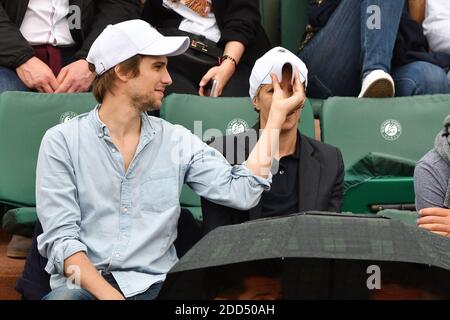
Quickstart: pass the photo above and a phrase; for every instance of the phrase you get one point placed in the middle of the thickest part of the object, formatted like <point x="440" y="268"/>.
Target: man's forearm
<point x="260" y="160"/>
<point x="80" y="268"/>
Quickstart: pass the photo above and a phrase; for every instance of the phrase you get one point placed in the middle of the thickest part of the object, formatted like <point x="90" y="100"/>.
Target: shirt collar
<point x="147" y="129"/>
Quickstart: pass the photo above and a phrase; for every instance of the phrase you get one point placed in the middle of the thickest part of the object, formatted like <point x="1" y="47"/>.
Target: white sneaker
<point x="377" y="84"/>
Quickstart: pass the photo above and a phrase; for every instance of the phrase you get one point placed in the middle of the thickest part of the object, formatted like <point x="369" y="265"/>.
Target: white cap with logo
<point x="124" y="40"/>
<point x="273" y="62"/>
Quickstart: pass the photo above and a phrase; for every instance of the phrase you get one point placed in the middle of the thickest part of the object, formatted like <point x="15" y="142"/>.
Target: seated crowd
<point x="115" y="214"/>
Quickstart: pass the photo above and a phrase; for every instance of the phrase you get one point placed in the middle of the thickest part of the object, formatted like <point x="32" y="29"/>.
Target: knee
<point x="419" y="78"/>
<point x="9" y="81"/>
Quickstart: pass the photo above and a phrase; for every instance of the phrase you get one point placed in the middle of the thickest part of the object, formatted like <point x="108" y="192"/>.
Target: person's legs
<point x="420" y="77"/>
<point x="333" y="55"/>
<point x="346" y="48"/>
<point x="9" y="81"/>
<point x="64" y="293"/>
<point x="378" y="33"/>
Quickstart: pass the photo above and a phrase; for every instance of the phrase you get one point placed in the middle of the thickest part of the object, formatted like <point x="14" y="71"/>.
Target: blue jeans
<point x="345" y="50"/>
<point x="9" y="81"/>
<point x="64" y="293"/>
<point x="419" y="78"/>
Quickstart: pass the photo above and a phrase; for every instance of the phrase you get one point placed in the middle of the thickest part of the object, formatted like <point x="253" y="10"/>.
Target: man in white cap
<point x="108" y="182"/>
<point x="308" y="175"/>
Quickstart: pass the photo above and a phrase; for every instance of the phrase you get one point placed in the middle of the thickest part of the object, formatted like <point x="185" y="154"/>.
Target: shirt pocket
<point x="160" y="191"/>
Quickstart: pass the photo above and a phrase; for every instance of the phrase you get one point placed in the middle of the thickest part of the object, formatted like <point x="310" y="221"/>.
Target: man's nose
<point x="167" y="80"/>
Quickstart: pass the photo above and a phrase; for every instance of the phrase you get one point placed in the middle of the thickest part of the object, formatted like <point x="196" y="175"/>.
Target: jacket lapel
<point x="309" y="176"/>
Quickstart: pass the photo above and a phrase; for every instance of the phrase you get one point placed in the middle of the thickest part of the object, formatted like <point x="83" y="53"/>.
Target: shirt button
<point x="117" y="255"/>
<point x="100" y="135"/>
<point x="113" y="150"/>
<point x="125" y="210"/>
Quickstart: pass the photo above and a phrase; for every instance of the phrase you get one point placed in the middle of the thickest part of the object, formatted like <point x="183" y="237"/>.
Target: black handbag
<point x="202" y="52"/>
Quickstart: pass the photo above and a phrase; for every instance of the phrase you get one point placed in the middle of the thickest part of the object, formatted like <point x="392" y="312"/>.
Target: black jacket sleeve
<point x="215" y="215"/>
<point x="107" y="12"/>
<point x="337" y="195"/>
<point x="238" y="20"/>
<point x="14" y="49"/>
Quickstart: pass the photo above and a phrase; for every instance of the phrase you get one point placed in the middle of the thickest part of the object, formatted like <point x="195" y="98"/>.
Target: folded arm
<point x="59" y="213"/>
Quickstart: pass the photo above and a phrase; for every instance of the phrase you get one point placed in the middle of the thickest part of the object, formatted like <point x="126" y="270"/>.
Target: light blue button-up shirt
<point x="126" y="222"/>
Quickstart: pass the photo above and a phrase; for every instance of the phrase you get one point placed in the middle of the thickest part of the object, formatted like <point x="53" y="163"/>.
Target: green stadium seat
<point x="401" y="127"/>
<point x="24" y="119"/>
<point x="293" y="23"/>
<point x="270" y="18"/>
<point x="212" y="117"/>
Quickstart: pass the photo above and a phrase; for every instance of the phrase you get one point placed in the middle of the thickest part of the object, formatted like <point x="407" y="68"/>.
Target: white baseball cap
<point x="124" y="40"/>
<point x="273" y="62"/>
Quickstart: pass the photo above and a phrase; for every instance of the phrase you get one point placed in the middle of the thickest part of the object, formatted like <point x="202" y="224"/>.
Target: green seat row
<point x="402" y="127"/>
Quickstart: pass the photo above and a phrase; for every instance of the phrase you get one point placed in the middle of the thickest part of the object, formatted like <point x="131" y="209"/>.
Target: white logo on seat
<point x="237" y="126"/>
<point x="67" y="116"/>
<point x="391" y="130"/>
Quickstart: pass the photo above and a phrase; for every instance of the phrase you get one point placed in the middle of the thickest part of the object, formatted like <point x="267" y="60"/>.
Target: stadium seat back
<point x="270" y="18"/>
<point x="24" y="119"/>
<point x="401" y="127"/>
<point x="293" y="23"/>
<point x="404" y="127"/>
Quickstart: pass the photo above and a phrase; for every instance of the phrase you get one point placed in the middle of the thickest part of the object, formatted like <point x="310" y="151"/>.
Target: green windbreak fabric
<point x="377" y="165"/>
<point x="20" y="221"/>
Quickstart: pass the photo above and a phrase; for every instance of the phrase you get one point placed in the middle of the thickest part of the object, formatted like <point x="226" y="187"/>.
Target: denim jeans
<point x="64" y="293"/>
<point x="346" y="49"/>
<point x="9" y="81"/>
<point x="420" y="77"/>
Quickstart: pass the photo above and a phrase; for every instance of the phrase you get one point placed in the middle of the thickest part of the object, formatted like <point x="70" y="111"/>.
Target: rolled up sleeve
<point x="56" y="203"/>
<point x="210" y="175"/>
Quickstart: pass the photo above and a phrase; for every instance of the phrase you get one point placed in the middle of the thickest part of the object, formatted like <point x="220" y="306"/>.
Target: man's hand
<point x="75" y="77"/>
<point x="281" y="103"/>
<point x="35" y="74"/>
<point x="436" y="220"/>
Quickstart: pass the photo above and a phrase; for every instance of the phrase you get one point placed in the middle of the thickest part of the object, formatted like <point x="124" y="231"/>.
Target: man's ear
<point x="120" y="76"/>
<point x="255" y="103"/>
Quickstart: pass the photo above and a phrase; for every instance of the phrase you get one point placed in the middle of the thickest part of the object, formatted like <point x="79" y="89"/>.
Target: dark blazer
<point x="237" y="20"/>
<point x="321" y="181"/>
<point x="95" y="16"/>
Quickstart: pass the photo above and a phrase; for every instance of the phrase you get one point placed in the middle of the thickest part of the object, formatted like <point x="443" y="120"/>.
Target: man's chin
<point x="153" y="106"/>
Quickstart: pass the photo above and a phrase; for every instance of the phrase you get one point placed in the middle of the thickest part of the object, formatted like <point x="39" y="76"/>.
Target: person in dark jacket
<point x="309" y="175"/>
<point x="231" y="26"/>
<point x="43" y="45"/>
<point x="369" y="48"/>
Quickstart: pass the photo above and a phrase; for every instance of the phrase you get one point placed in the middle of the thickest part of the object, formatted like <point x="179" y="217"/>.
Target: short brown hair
<point x="105" y="82"/>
